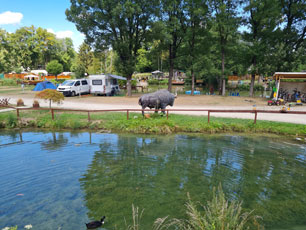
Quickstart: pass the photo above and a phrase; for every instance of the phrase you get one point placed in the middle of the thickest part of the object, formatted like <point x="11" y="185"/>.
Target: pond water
<point x="62" y="180"/>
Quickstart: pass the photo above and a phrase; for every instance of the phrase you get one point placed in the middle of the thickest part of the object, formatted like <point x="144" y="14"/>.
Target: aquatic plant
<point x="217" y="214"/>
<point x="136" y="219"/>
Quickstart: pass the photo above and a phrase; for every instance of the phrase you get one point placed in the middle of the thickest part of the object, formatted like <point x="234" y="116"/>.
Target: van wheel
<point x="72" y="94"/>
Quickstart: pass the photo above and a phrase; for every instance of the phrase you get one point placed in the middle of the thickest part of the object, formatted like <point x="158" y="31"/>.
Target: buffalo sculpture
<point x="157" y="100"/>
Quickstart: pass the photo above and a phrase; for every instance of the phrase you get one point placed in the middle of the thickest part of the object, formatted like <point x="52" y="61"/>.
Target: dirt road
<point x="89" y="102"/>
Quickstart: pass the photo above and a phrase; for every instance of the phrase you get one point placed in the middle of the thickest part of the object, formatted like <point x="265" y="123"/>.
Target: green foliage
<point x="125" y="34"/>
<point x="79" y="71"/>
<point x="9" y="82"/>
<point x="158" y="82"/>
<point x="32" y="48"/>
<point x="54" y="67"/>
<point x="157" y="124"/>
<point x="85" y="56"/>
<point x="12" y="120"/>
<point x="246" y="87"/>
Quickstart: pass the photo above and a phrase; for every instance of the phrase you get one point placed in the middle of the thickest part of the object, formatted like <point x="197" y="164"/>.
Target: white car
<point x="74" y="87"/>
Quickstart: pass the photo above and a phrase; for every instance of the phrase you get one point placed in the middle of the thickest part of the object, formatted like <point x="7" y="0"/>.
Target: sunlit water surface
<point x="62" y="180"/>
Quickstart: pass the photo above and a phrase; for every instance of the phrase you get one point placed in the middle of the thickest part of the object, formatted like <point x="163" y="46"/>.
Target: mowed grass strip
<point x="117" y="122"/>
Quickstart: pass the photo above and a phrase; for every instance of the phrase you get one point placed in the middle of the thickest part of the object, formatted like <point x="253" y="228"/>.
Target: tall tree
<point x="123" y="25"/>
<point x="262" y="19"/>
<point x="226" y="25"/>
<point x="292" y="34"/>
<point x="196" y="35"/>
<point x="85" y="56"/>
<point x="174" y="27"/>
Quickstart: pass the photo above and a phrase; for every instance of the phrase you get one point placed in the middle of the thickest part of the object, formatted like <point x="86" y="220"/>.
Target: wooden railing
<point x="209" y="111"/>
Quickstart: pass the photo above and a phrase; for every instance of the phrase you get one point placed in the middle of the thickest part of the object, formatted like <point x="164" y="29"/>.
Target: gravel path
<point x="87" y="102"/>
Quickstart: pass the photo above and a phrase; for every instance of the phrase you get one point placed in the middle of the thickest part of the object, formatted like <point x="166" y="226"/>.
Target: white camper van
<point x="74" y="87"/>
<point x="104" y="84"/>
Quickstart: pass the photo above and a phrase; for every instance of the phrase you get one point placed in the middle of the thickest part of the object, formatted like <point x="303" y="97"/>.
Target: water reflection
<point x="155" y="173"/>
<point x="91" y="175"/>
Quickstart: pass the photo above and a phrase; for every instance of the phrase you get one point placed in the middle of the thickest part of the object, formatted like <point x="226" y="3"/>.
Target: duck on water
<point x="95" y="224"/>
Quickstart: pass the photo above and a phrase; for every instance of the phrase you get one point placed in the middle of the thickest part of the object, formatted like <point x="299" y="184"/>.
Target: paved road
<point x="82" y="103"/>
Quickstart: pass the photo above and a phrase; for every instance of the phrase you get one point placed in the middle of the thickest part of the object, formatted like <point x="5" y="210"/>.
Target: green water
<point x="62" y="180"/>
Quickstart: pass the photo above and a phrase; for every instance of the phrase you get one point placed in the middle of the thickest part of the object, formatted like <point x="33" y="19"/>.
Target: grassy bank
<point x="117" y="122"/>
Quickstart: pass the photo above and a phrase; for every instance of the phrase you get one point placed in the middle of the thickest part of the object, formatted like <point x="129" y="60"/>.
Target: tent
<point x="44" y="85"/>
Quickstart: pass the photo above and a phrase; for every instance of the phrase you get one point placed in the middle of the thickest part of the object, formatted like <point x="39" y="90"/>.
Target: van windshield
<point x="68" y="83"/>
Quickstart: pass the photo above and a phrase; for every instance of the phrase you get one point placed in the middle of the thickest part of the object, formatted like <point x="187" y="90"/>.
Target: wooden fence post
<point x="52" y="112"/>
<point x="167" y="114"/>
<point x="88" y="116"/>
<point x="255" y="117"/>
<point x="208" y="117"/>
<point x="127" y="114"/>
<point x="17" y="110"/>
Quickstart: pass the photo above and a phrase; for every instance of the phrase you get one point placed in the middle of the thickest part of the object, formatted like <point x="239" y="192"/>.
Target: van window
<point x="77" y="83"/>
<point x="84" y="82"/>
<point x="114" y="82"/>
<point x="106" y="82"/>
<point x="68" y="83"/>
<point x="96" y="82"/>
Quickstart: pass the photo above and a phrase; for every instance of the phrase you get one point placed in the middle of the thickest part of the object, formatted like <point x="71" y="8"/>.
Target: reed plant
<point x="137" y="215"/>
<point x="217" y="214"/>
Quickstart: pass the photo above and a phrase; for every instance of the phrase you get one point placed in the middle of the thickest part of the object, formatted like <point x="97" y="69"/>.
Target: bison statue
<point x="157" y="100"/>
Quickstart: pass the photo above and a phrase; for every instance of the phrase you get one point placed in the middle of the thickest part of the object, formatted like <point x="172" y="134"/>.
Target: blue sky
<point x="48" y="14"/>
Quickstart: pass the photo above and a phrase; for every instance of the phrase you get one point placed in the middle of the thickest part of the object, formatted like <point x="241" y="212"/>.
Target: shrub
<point x="20" y="102"/>
<point x="11" y="120"/>
<point x="35" y="104"/>
<point x="9" y="82"/>
<point x="51" y="95"/>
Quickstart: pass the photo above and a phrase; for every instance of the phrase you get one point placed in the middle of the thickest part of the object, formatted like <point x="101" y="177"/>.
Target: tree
<point x="51" y="95"/>
<point x="291" y="34"/>
<point x="54" y="67"/>
<point x="262" y="19"/>
<point x="123" y="25"/>
<point x="226" y="25"/>
<point x="195" y="37"/>
<point x="173" y="27"/>
<point x="85" y="56"/>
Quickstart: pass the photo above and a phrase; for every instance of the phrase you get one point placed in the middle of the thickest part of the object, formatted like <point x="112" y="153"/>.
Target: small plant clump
<point x="20" y="102"/>
<point x="217" y="214"/>
<point x="35" y="104"/>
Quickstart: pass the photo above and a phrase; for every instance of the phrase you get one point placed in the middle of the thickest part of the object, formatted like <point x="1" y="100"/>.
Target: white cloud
<point x="9" y="17"/>
<point x="61" y="34"/>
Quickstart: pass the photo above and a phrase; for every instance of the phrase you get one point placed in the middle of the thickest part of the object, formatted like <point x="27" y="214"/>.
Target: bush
<point x="158" y="82"/>
<point x="35" y="104"/>
<point x="20" y="102"/>
<point x="9" y="82"/>
<point x="257" y="87"/>
<point x="12" y="120"/>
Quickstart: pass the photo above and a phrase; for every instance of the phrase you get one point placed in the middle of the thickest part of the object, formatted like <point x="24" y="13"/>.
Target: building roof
<point x="289" y="75"/>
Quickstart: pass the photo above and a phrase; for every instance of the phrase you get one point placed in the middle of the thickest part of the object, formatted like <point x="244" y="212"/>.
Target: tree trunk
<point x="192" y="82"/>
<point x="129" y="87"/>
<point x="170" y="74"/>
<point x="223" y="67"/>
<point x="251" y="94"/>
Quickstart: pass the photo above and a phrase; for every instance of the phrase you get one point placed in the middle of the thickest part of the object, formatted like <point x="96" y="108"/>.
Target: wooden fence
<point x="209" y="111"/>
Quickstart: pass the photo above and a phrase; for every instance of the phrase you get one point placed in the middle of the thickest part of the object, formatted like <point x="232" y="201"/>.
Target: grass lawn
<point x="117" y="122"/>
